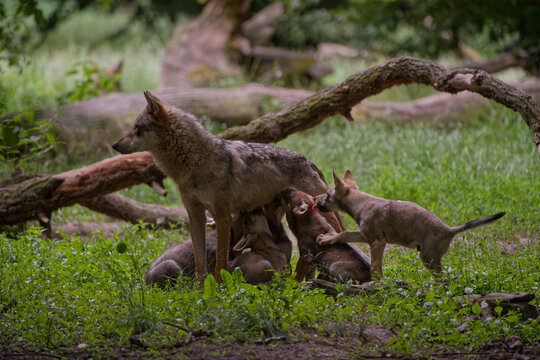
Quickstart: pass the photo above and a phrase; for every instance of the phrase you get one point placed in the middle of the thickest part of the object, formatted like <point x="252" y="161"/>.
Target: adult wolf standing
<point x="217" y="175"/>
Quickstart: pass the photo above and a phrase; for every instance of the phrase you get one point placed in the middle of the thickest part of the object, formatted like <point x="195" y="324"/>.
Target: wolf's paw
<point x="326" y="239"/>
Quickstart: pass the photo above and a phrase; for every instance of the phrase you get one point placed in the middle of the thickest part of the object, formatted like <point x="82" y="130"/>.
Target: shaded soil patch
<point x="311" y="347"/>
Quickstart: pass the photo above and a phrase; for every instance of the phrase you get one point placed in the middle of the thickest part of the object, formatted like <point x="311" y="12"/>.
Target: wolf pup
<point x="341" y="262"/>
<point x="265" y="257"/>
<point x="382" y="221"/>
<point x="214" y="174"/>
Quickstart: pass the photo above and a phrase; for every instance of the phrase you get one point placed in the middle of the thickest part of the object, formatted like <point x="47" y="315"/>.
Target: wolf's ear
<point x="244" y="242"/>
<point x="340" y="186"/>
<point x="156" y="108"/>
<point x="349" y="179"/>
<point x="301" y="209"/>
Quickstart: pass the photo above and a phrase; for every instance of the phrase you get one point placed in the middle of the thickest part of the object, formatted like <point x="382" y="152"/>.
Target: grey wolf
<point x="381" y="221"/>
<point x="218" y="175"/>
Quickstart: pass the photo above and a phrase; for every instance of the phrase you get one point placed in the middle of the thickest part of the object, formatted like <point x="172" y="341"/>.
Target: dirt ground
<point x="311" y="347"/>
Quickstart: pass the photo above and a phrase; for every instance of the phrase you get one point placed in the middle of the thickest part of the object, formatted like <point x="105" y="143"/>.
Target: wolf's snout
<point x="115" y="146"/>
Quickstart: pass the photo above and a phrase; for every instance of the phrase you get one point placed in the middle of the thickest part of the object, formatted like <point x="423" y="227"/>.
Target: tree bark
<point x="36" y="198"/>
<point x="340" y="98"/>
<point x="198" y="51"/>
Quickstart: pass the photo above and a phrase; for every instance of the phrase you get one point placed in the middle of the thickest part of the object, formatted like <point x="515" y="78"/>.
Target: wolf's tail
<point x="477" y="223"/>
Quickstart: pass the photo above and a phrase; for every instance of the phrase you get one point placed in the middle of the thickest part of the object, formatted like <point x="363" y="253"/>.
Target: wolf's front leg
<point x="342" y="237"/>
<point x="223" y="226"/>
<point x="197" y="224"/>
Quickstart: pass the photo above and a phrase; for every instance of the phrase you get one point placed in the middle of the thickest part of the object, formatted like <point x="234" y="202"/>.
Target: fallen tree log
<point x="36" y="198"/>
<point x="97" y="122"/>
<point x="519" y="302"/>
<point x="123" y="208"/>
<point x="502" y="62"/>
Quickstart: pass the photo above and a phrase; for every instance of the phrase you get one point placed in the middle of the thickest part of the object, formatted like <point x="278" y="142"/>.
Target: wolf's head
<point x="331" y="200"/>
<point x="297" y="203"/>
<point x="148" y="129"/>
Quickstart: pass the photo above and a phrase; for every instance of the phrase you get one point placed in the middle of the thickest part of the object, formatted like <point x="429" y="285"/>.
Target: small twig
<point x="192" y="334"/>
<point x="270" y="339"/>
<point x="176" y="326"/>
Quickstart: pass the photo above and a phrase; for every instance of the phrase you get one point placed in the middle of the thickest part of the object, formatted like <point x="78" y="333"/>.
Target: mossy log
<point x="340" y="98"/>
<point x="94" y="124"/>
<point x="36" y="198"/>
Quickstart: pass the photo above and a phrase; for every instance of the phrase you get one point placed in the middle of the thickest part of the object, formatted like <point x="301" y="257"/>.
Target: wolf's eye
<point x="137" y="131"/>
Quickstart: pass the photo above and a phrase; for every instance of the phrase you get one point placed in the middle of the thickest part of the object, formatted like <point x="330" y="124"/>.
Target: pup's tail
<point x="477" y="223"/>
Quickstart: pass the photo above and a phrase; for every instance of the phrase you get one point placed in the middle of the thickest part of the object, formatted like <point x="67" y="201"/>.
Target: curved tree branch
<point x="340" y="98"/>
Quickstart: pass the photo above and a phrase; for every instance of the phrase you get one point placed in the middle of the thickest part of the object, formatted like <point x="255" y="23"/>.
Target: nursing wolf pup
<point x="218" y="175"/>
<point x="248" y="230"/>
<point x="265" y="256"/>
<point x="382" y="221"/>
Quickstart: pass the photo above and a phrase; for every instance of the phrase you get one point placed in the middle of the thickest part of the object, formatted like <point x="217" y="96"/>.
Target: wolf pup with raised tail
<point x="217" y="175"/>
<point x="382" y="221"/>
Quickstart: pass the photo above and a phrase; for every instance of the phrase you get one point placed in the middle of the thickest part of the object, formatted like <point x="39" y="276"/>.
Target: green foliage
<point x="14" y="29"/>
<point x="90" y="81"/>
<point x="25" y="141"/>
<point x="429" y="28"/>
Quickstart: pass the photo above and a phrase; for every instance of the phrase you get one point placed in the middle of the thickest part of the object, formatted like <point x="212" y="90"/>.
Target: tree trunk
<point x="198" y="51"/>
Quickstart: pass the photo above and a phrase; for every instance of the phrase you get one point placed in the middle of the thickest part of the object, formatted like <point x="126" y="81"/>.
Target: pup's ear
<point x="301" y="209"/>
<point x="340" y="186"/>
<point x="245" y="242"/>
<point x="349" y="179"/>
<point x="156" y="108"/>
